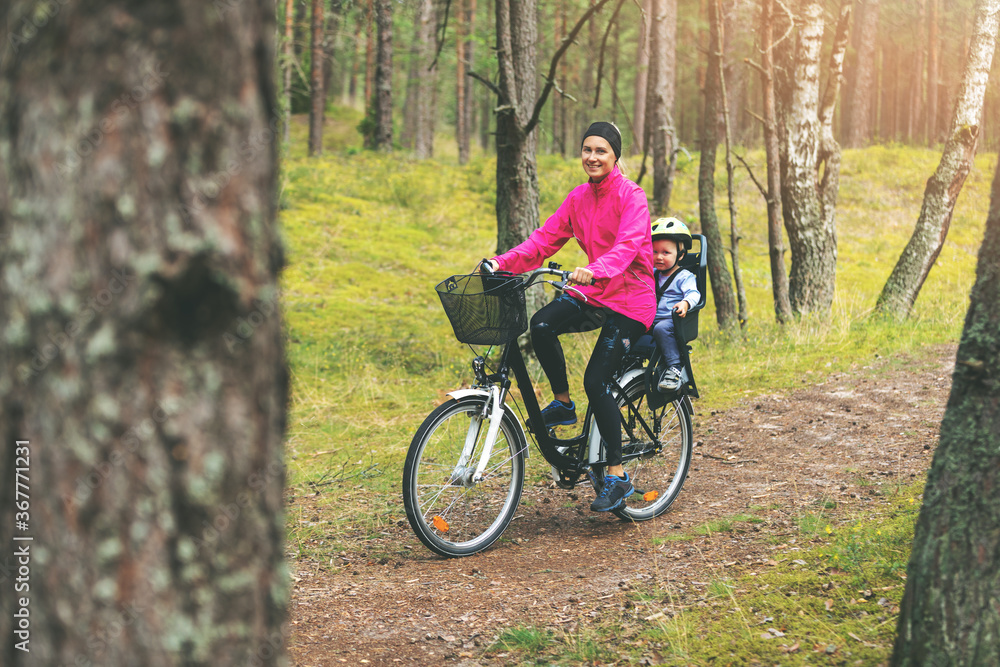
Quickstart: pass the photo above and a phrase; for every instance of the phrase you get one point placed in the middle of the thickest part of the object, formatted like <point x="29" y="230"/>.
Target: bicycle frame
<point x="512" y="360"/>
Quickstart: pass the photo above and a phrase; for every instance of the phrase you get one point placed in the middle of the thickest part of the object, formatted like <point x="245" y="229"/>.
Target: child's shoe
<point x="670" y="380"/>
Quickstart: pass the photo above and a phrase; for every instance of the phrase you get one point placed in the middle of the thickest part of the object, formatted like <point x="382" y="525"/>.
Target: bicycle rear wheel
<point x="656" y="451"/>
<point x="452" y="515"/>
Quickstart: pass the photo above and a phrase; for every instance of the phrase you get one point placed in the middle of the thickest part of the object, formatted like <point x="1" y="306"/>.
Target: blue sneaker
<point x="613" y="494"/>
<point x="557" y="414"/>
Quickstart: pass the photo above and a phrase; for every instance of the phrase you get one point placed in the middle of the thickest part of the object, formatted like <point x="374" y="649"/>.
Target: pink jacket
<point x="610" y="221"/>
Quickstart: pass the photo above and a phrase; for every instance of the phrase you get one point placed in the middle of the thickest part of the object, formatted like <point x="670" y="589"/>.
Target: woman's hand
<point x="582" y="276"/>
<point x="489" y="265"/>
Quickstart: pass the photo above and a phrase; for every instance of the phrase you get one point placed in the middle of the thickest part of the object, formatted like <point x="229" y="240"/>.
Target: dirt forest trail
<point x="389" y="601"/>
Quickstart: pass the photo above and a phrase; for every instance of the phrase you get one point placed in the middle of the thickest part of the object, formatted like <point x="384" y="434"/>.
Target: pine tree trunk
<point x="949" y="614"/>
<point x="370" y="39"/>
<point x="469" y="54"/>
<point x="382" y="100"/>
<point x="775" y="244"/>
<point x="942" y="190"/>
<point x="426" y="82"/>
<point x="461" y="118"/>
<point x="663" y="35"/>
<point x="859" y="113"/>
<point x="734" y="233"/>
<point x="142" y="357"/>
<point x="642" y="78"/>
<point x="317" y="94"/>
<point x="289" y="55"/>
<point x="517" y="175"/>
<point x="933" y="54"/>
<point x="718" y="273"/>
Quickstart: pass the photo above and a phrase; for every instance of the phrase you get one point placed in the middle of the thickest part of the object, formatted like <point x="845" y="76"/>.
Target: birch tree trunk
<point x="859" y="113"/>
<point x="142" y="358"/>
<point x="317" y="96"/>
<point x="808" y="149"/>
<point x="718" y="273"/>
<point x="949" y="613"/>
<point x="943" y="187"/>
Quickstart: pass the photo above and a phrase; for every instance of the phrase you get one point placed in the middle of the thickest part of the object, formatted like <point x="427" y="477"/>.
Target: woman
<point x="609" y="218"/>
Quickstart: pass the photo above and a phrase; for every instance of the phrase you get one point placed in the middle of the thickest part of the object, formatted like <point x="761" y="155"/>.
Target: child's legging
<point x="663" y="334"/>
<point x="569" y="315"/>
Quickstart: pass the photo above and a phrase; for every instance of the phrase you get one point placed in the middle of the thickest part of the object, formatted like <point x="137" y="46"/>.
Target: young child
<point x="676" y="291"/>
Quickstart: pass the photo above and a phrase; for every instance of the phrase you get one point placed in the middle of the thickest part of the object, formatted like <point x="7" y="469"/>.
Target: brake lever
<point x="562" y="286"/>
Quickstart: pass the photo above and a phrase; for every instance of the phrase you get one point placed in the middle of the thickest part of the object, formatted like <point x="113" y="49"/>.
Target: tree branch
<point x="753" y="178"/>
<point x="486" y="82"/>
<point x="604" y="43"/>
<point x="444" y="33"/>
<point x="540" y="104"/>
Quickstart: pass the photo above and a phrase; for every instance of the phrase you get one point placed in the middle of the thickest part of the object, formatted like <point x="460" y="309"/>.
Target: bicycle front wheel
<point x="450" y="513"/>
<point x="656" y="451"/>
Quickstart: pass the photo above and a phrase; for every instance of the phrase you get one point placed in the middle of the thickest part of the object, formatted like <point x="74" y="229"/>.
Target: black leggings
<point x="569" y="315"/>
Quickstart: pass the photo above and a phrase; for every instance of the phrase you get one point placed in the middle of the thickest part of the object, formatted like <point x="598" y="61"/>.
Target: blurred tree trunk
<point x="370" y="39"/>
<point x="642" y="78"/>
<point x="949" y="613"/>
<point x="660" y="99"/>
<point x="916" y="104"/>
<point x="288" y="55"/>
<point x="858" y="125"/>
<point x="810" y="167"/>
<point x="461" y="117"/>
<point x="734" y="232"/>
<point x="933" y="75"/>
<point x="427" y="78"/>
<point x="942" y="189"/>
<point x="408" y="132"/>
<point x="469" y="55"/>
<point x="142" y="354"/>
<point x="380" y="137"/>
<point x="718" y="272"/>
<point x="772" y="150"/>
<point x="317" y="94"/>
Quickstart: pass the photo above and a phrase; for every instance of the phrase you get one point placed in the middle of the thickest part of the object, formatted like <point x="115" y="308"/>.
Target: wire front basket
<point x="484" y="310"/>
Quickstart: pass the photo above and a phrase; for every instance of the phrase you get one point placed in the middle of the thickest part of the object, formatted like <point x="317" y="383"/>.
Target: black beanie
<point x="605" y="131"/>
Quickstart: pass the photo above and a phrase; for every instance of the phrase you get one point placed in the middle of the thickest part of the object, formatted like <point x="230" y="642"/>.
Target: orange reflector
<point x="650" y="496"/>
<point x="440" y="524"/>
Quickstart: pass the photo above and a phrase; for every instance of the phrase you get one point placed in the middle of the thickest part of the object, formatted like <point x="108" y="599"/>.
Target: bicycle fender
<point x="460" y="394"/>
<point x="632" y="374"/>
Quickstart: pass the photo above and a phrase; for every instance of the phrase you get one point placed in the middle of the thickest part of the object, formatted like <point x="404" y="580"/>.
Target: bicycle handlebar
<point x="551" y="270"/>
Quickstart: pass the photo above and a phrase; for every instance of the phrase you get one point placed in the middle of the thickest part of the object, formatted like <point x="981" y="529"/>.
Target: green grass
<point x="830" y="595"/>
<point x="368" y="236"/>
